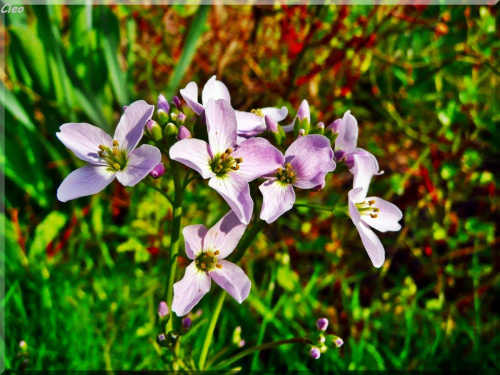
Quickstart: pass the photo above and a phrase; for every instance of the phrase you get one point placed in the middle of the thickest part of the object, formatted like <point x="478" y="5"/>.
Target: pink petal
<point x="87" y="180"/>
<point x="194" y="153"/>
<point x="363" y="170"/>
<point x="233" y="280"/>
<point x="221" y="125"/>
<point x="259" y="156"/>
<point x="84" y="140"/>
<point x="387" y="217"/>
<point x="372" y="244"/>
<point x="190" y="290"/>
<point x="311" y="166"/>
<point x="303" y="111"/>
<point x="225" y="235"/>
<point x="278" y="199"/>
<point x="193" y="239"/>
<point x="305" y="143"/>
<point x="249" y="123"/>
<point x="235" y="190"/>
<point x="130" y="129"/>
<point x="348" y="133"/>
<point x="214" y="90"/>
<point x="140" y="162"/>
<point x="277" y="114"/>
<point x="190" y="95"/>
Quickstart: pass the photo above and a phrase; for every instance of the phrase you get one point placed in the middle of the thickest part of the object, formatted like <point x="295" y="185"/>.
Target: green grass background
<point x="84" y="278"/>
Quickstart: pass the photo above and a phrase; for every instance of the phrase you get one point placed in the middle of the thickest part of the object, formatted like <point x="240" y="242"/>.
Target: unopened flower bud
<point x="337" y="341"/>
<point x="323" y="349"/>
<point x="163" y="117"/>
<point x="181" y="117"/>
<point x="23" y="345"/>
<point x="302" y="132"/>
<point x="319" y="128"/>
<point x="176" y="102"/>
<point x="183" y="133"/>
<point x="315" y="352"/>
<point x="157" y="172"/>
<point x="334" y="127"/>
<point x="162" y="340"/>
<point x="322" y="324"/>
<point x="186" y="323"/>
<point x="170" y="129"/>
<point x="153" y="130"/>
<point x="162" y="307"/>
<point x="271" y="124"/>
<point x="162" y="103"/>
<point x="241" y="344"/>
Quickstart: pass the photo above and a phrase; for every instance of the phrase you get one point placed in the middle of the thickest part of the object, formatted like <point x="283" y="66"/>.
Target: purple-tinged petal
<point x="190" y="290"/>
<point x="240" y="140"/>
<point x="348" y="133"/>
<point x="311" y="166"/>
<point x="278" y="198"/>
<point x="87" y="180"/>
<point x="260" y="158"/>
<point x="387" y="216"/>
<point x="193" y="239"/>
<point x="334" y="126"/>
<point x="360" y="151"/>
<point x="306" y="142"/>
<point x="190" y="95"/>
<point x="158" y="171"/>
<point x="140" y="162"/>
<point x="214" y="90"/>
<point x="130" y="129"/>
<point x="372" y="244"/>
<point x="162" y="103"/>
<point x="225" y="235"/>
<point x="163" y="309"/>
<point x="356" y="195"/>
<point x="235" y="190"/>
<point x="277" y="114"/>
<point x="271" y="124"/>
<point x="84" y="140"/>
<point x="194" y="153"/>
<point x="304" y="111"/>
<point x="232" y="279"/>
<point x="363" y="169"/>
<point x="221" y="125"/>
<point x="183" y="133"/>
<point x="249" y="123"/>
<point x="289" y="128"/>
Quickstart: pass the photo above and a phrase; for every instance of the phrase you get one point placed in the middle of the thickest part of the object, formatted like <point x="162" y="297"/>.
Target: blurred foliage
<point x="83" y="279"/>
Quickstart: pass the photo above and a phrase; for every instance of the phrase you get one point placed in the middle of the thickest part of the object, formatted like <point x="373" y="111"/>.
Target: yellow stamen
<point x="374" y="216"/>
<point x="218" y="265"/>
<point x="217" y="252"/>
<point x="115" y="143"/>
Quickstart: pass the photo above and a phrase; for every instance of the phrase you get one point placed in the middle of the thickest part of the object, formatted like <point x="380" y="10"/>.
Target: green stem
<point x="210" y="332"/>
<point x="247" y="240"/>
<point x="322" y="208"/>
<point x="152" y="185"/>
<point x="254" y="349"/>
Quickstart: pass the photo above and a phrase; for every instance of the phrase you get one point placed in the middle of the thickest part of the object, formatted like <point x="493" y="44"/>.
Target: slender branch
<point x="322" y="208"/>
<point x="254" y="349"/>
<point x="151" y="185"/>
<point x="210" y="332"/>
<point x="247" y="240"/>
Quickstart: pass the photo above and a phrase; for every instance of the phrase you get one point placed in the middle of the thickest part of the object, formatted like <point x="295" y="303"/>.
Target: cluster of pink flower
<point x="236" y="153"/>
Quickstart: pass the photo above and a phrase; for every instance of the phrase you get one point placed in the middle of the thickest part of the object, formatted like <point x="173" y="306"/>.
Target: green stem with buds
<point x="257" y="348"/>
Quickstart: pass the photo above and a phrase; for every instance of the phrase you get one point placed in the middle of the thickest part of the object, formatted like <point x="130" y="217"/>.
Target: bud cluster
<point x="321" y="341"/>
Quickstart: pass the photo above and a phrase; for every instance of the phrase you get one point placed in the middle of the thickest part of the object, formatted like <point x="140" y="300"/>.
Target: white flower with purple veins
<point x="207" y="249"/>
<point x="371" y="212"/>
<point x="108" y="157"/>
<point x="230" y="169"/>
<point x="304" y="165"/>
<point x="250" y="124"/>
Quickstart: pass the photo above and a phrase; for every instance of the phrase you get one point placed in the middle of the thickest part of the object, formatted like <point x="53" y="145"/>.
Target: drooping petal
<point x="304" y="143"/>
<point x="304" y="111"/>
<point x="215" y="90"/>
<point x="225" y="235"/>
<point x="363" y="169"/>
<point x="348" y="133"/>
<point x="194" y="153"/>
<point x="140" y="162"/>
<point x="193" y="239"/>
<point x="232" y="279"/>
<point x="84" y="140"/>
<point x="130" y="129"/>
<point x="387" y="216"/>
<point x="372" y="244"/>
<point x="235" y="190"/>
<point x="311" y="166"/>
<point x="190" y="95"/>
<point x="87" y="180"/>
<point x="277" y="114"/>
<point x="190" y="290"/>
<point x="260" y="158"/>
<point x="249" y="123"/>
<point x="221" y="126"/>
<point x="278" y="198"/>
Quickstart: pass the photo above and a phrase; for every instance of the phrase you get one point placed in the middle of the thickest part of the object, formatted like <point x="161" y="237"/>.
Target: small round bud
<point x="157" y="172"/>
<point x="150" y="124"/>
<point x="23" y="345"/>
<point x="302" y="132"/>
<point x="315" y="352"/>
<point x="176" y="102"/>
<point x="337" y="341"/>
<point x="186" y="324"/>
<point x="322" y="324"/>
<point x="162" y="340"/>
<point x="321" y="339"/>
<point x="170" y="129"/>
<point x="183" y="133"/>
<point x="163" y="117"/>
<point x="271" y="124"/>
<point x="163" y="307"/>
<point x="241" y="344"/>
<point x="162" y="103"/>
<point x="181" y="117"/>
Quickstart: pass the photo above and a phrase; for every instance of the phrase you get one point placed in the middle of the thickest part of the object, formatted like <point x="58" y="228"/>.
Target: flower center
<point x="365" y="208"/>
<point x="221" y="164"/>
<point x="258" y="112"/>
<point x="208" y="261"/>
<point x="285" y="175"/>
<point x="116" y="158"/>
